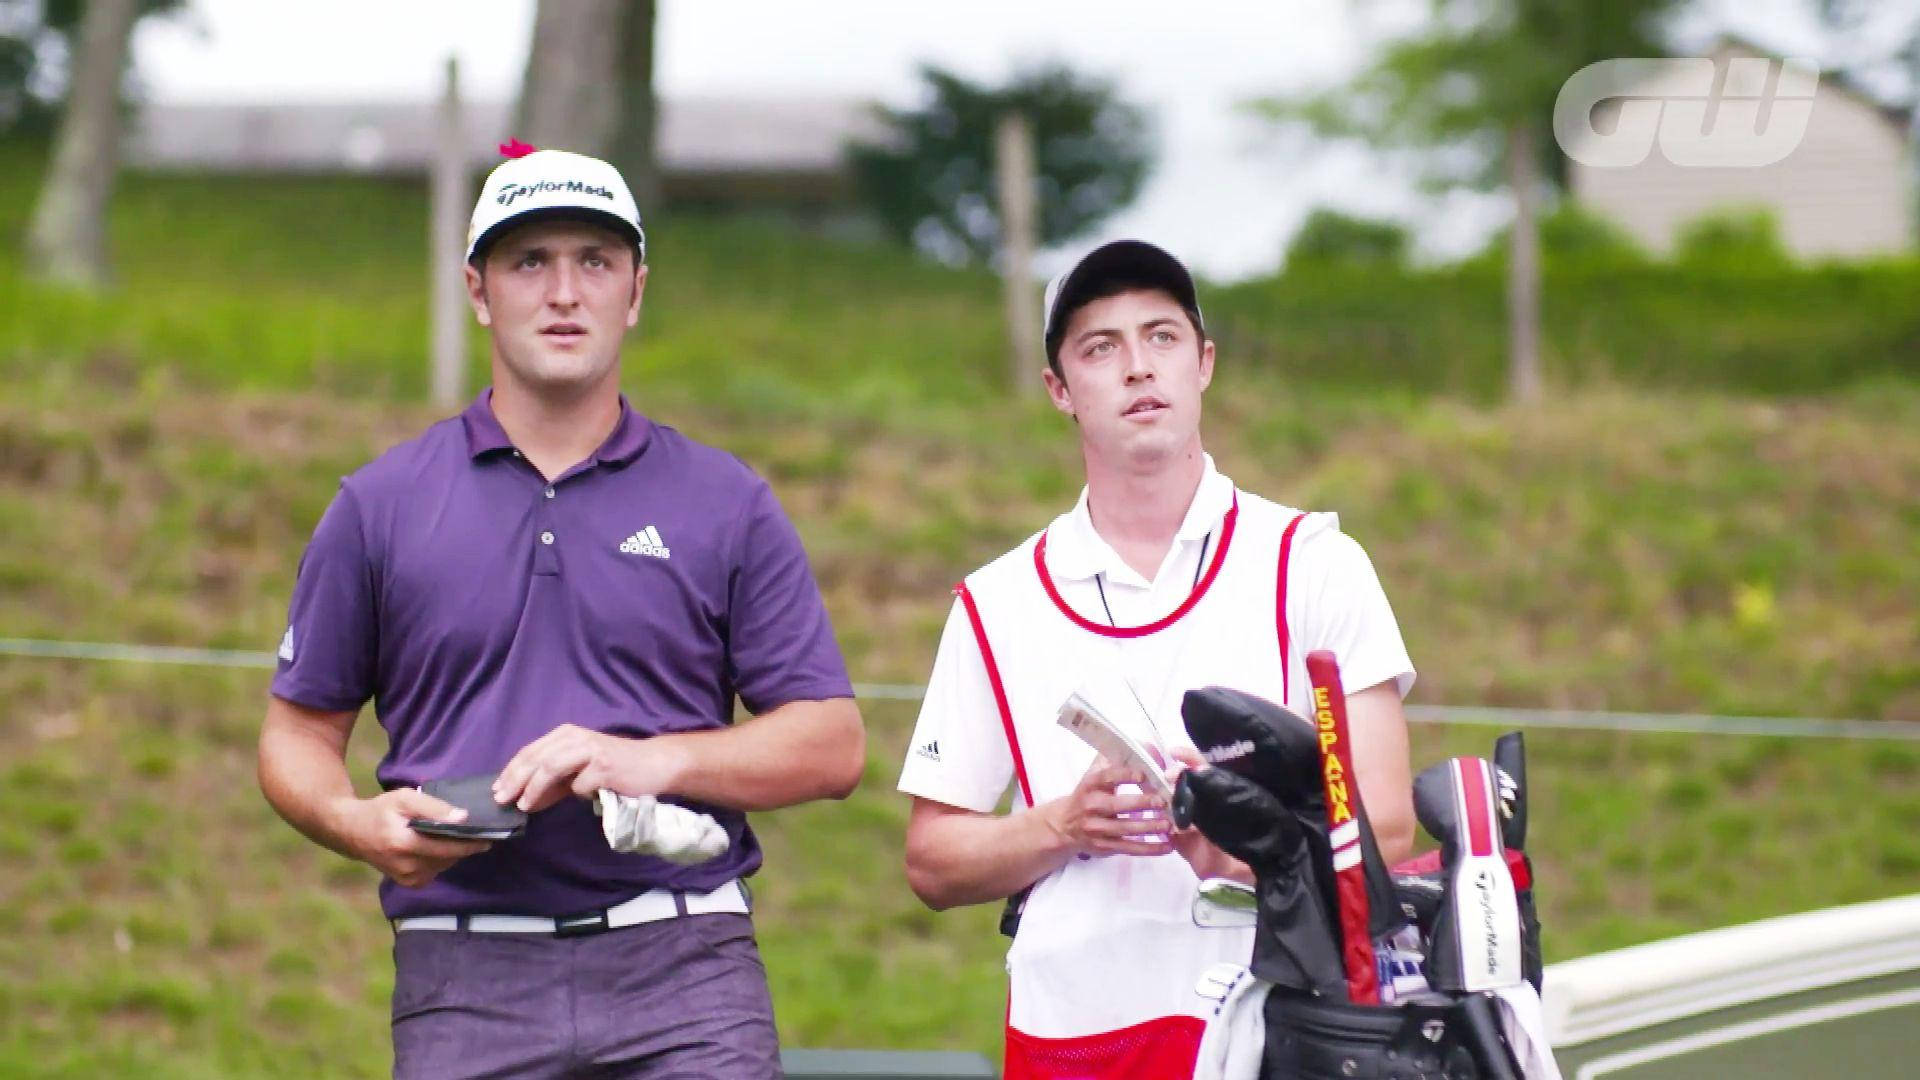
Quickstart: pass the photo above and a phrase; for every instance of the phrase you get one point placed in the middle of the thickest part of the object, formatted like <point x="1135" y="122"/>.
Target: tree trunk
<point x="1014" y="178"/>
<point x="633" y="144"/>
<point x="451" y="203"/>
<point x="1523" y="269"/>
<point x="569" y="96"/>
<point x="66" y="241"/>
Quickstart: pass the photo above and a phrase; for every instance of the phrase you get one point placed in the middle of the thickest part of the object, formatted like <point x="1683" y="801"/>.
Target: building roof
<point x="1899" y="116"/>
<point x="705" y="135"/>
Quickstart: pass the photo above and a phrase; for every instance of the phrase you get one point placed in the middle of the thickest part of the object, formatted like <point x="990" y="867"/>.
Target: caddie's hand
<point x="1202" y="854"/>
<point x="1184" y="758"/>
<point x="380" y="836"/>
<point x="1096" y="819"/>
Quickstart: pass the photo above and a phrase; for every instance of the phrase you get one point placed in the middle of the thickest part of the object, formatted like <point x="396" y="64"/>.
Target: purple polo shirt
<point x="480" y="607"/>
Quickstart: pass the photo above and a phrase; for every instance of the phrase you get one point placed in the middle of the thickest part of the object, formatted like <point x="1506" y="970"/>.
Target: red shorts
<point x="1159" y="1049"/>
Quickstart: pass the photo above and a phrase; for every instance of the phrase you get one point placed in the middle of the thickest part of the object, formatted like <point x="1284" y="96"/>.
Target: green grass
<point x="1776" y="329"/>
<point x="165" y="451"/>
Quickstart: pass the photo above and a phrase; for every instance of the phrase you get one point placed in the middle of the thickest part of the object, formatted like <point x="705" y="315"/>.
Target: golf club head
<point x="1224" y="902"/>
<point x="1510" y="758"/>
<point x="1228" y="893"/>
<point x="1435" y="804"/>
<point x="1477" y="941"/>
<point x="1433" y="801"/>
<point x="1420" y="896"/>
<point x="1255" y="738"/>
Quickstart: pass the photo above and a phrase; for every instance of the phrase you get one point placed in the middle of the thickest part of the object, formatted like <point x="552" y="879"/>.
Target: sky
<point x="1226" y="193"/>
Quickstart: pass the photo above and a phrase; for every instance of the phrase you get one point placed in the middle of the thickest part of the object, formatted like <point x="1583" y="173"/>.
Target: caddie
<point x="554" y="587"/>
<point x="1163" y="577"/>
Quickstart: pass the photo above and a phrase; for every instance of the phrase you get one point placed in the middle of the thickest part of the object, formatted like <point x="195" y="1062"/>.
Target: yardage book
<point x="1079" y="716"/>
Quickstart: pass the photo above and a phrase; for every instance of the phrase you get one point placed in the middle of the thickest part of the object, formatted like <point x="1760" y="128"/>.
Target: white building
<point x="782" y="152"/>
<point x="1846" y="191"/>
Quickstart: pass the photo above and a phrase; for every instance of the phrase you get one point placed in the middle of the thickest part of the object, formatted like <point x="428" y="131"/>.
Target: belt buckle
<point x="581" y="925"/>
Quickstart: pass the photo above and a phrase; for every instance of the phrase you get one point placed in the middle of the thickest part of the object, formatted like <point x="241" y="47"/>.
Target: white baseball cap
<point x="1134" y="262"/>
<point x="535" y="185"/>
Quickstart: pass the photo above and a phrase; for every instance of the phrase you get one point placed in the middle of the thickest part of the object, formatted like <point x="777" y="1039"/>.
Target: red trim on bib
<point x="1280" y="609"/>
<point x="1163" y="1047"/>
<point x="999" y="690"/>
<point x="1200" y="590"/>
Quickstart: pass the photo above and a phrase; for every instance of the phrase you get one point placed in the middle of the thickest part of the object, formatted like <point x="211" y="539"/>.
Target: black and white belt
<point x="650" y="906"/>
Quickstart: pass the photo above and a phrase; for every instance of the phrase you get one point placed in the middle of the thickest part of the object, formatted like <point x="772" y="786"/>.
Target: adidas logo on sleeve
<point x="929" y="750"/>
<point x="645" y="542"/>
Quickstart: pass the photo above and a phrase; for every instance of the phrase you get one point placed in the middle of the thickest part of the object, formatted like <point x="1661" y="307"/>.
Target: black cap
<point x="1132" y="261"/>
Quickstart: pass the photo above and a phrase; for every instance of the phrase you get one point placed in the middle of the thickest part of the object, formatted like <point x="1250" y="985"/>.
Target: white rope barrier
<point x="1468" y="716"/>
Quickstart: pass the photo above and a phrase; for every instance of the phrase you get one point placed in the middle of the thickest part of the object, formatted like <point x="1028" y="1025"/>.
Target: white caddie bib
<point x="1107" y="948"/>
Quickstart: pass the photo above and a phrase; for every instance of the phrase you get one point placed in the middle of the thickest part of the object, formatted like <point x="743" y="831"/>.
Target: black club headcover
<point x="1269" y="744"/>
<point x="1294" y="944"/>
<point x="1279" y="749"/>
<point x="1510" y="759"/>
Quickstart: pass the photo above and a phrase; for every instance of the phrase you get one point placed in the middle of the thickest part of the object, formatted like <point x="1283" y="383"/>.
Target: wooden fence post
<point x="452" y="202"/>
<point x="1014" y="174"/>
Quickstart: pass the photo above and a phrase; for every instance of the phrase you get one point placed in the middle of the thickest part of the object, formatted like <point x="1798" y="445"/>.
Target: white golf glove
<point x="643" y="825"/>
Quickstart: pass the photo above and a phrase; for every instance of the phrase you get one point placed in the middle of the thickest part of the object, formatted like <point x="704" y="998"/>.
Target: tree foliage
<point x="1734" y="236"/>
<point x="930" y="181"/>
<point x="1469" y="98"/>
<point x="36" y="52"/>
<point x="1330" y="236"/>
<point x="1449" y="96"/>
<point x="1573" y="235"/>
<point x="1878" y="46"/>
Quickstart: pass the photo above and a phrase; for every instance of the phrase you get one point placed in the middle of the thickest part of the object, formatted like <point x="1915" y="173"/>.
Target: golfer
<point x="556" y="588"/>
<point x="1163" y="577"/>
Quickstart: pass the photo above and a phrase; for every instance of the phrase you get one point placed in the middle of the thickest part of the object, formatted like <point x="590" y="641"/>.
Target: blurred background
<point x="1636" y="450"/>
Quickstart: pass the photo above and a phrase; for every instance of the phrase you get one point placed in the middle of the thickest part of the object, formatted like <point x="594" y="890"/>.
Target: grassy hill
<point x="165" y="451"/>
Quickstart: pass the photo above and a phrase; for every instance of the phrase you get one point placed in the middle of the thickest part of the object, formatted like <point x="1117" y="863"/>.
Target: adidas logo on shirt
<point x="929" y="750"/>
<point x="286" y="646"/>
<point x="645" y="542"/>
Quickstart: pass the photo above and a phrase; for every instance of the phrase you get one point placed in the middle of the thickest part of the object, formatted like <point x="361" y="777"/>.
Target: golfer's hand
<point x="379" y="835"/>
<point x="571" y="760"/>
<point x="1090" y="819"/>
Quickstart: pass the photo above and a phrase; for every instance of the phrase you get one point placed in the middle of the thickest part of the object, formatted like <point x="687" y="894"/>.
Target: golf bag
<point x="1454" y="935"/>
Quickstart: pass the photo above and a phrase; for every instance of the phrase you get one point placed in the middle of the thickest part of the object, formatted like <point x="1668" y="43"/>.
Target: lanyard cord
<point x="1099" y="580"/>
<point x="1146" y="710"/>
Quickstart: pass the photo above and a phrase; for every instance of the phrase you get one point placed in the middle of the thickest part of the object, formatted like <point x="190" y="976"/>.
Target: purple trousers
<point x="683" y="997"/>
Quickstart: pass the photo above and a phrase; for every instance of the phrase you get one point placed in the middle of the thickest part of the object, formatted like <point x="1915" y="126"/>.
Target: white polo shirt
<point x="1107" y="954"/>
<point x="959" y="753"/>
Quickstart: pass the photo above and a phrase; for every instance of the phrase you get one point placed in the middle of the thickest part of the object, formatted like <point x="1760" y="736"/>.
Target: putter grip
<point x="1344" y="825"/>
